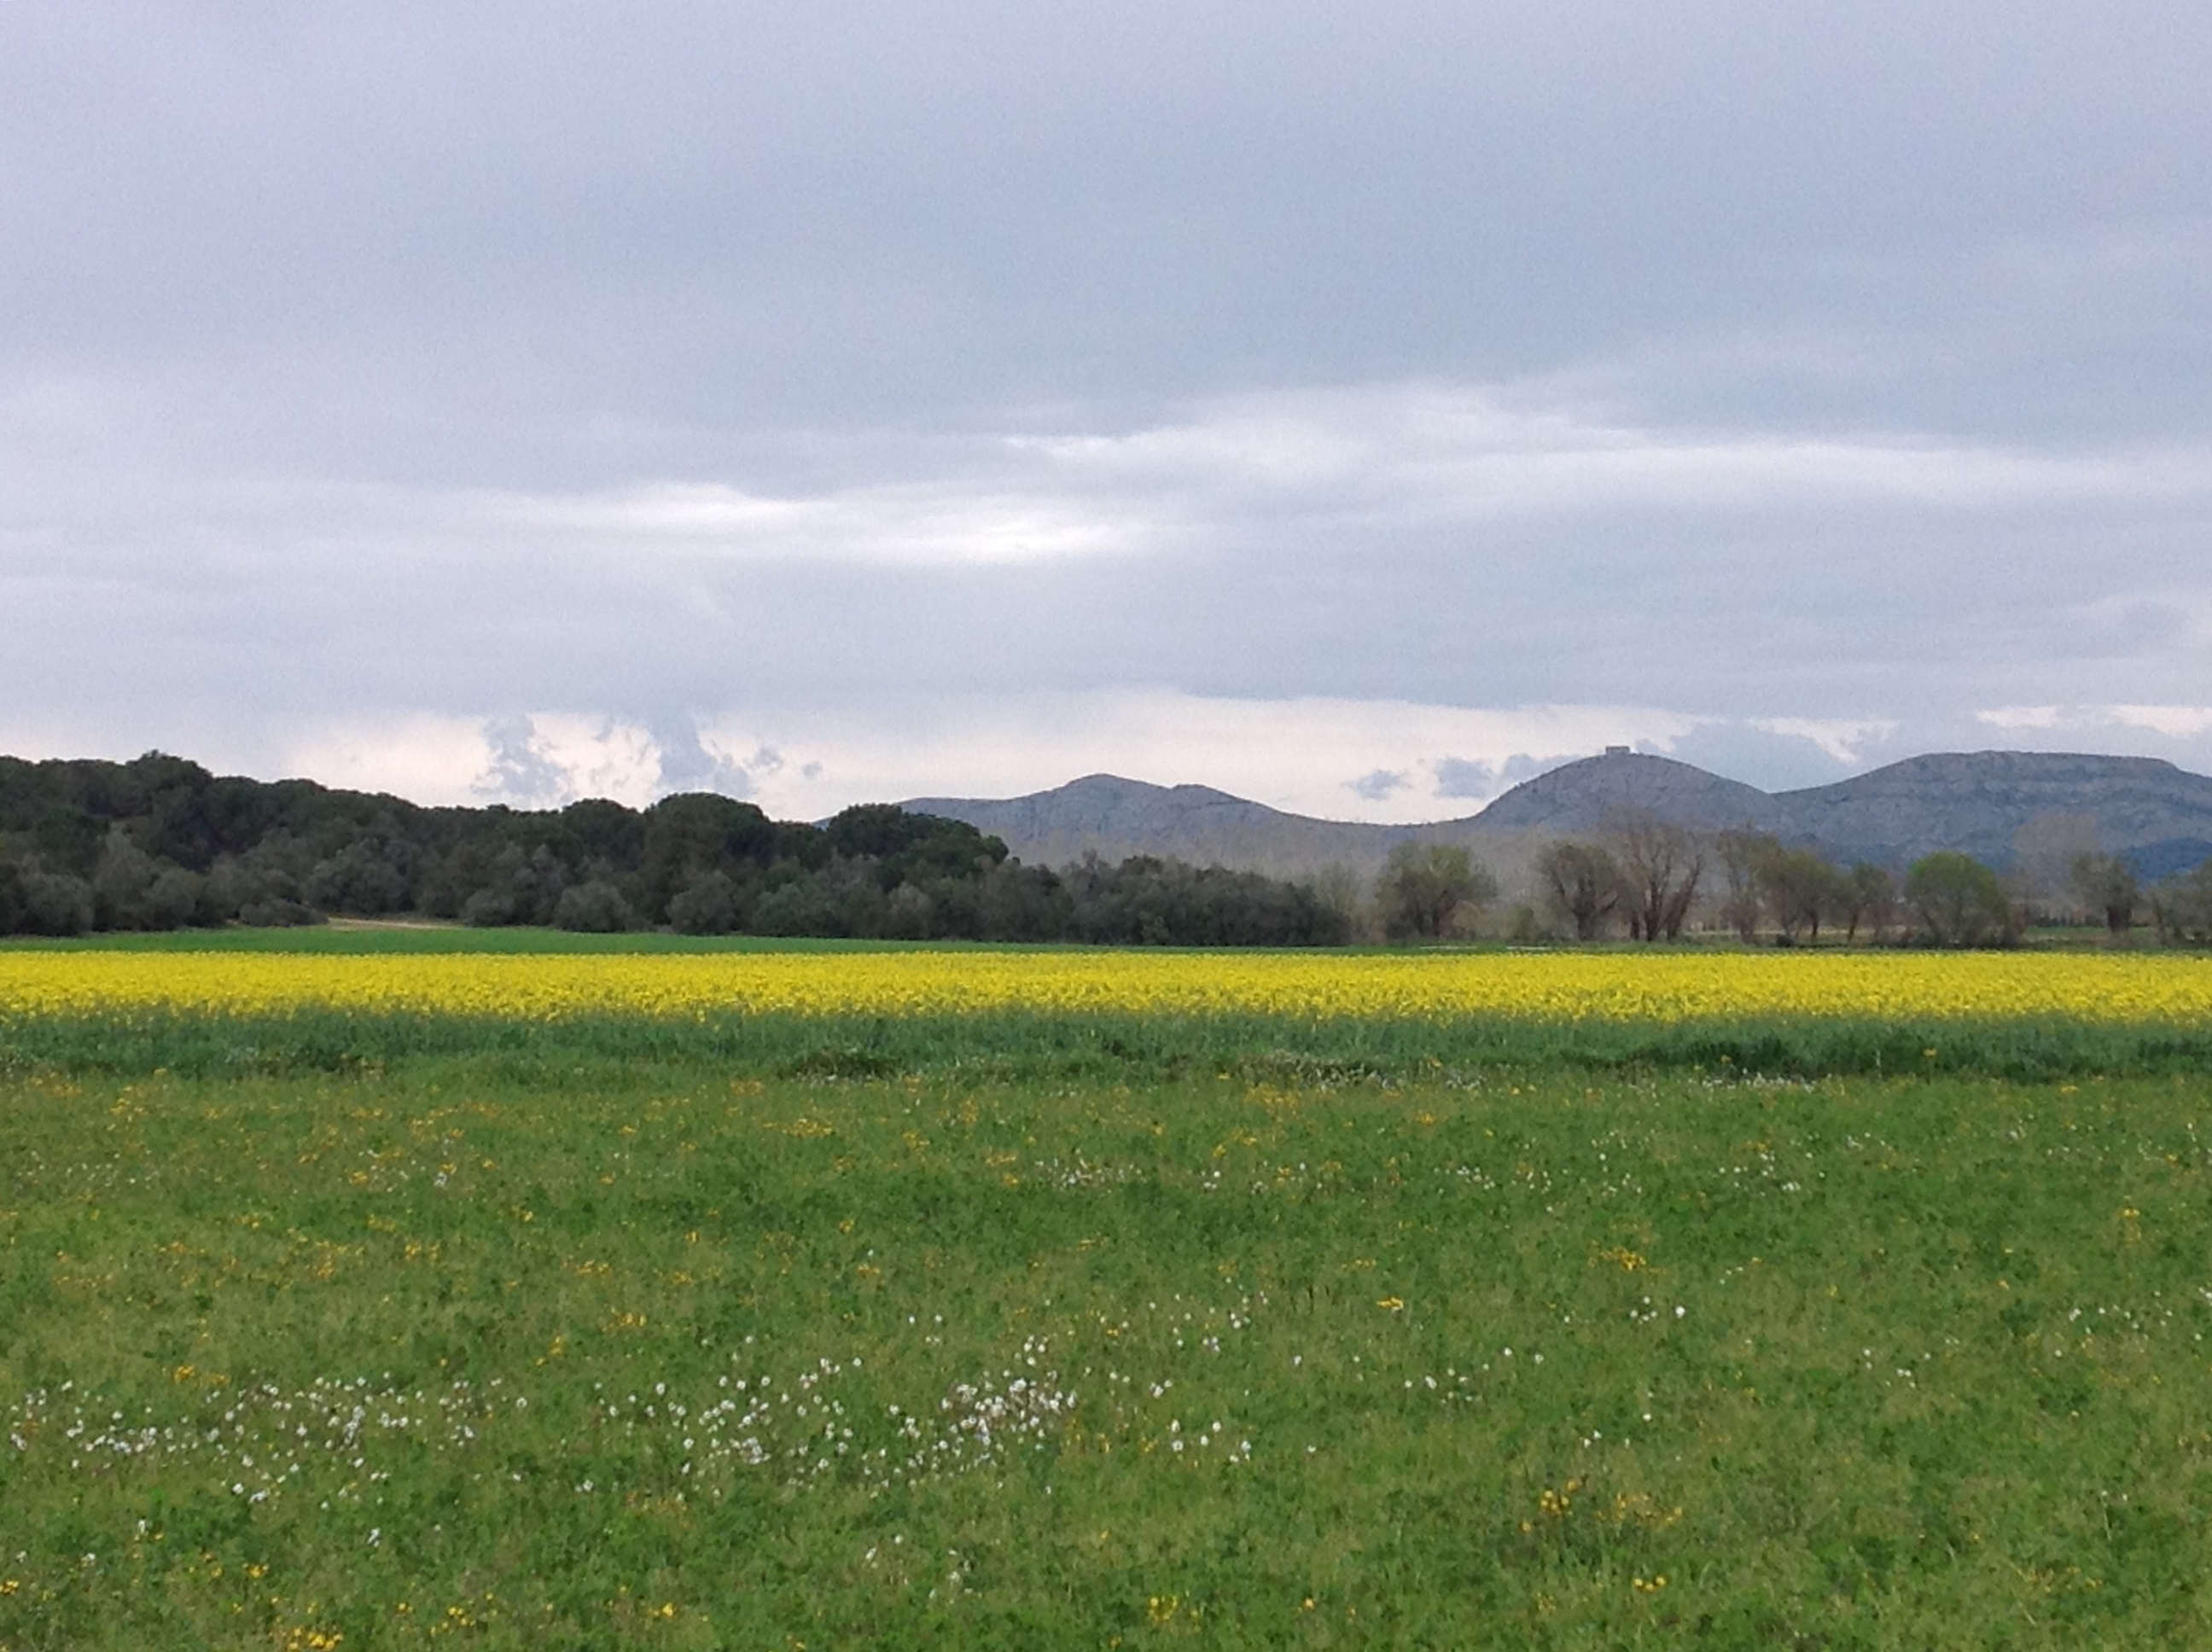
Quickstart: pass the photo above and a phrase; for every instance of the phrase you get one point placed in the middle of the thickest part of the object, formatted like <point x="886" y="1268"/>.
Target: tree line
<point x="1645" y="874"/>
<point x="1649" y="878"/>
<point x="161" y="843"/>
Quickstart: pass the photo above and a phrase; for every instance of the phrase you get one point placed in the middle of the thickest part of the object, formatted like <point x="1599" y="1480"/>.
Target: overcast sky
<point x="1356" y="407"/>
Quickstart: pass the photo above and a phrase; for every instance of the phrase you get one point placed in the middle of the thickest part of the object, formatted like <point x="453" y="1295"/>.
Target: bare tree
<point x="2106" y="885"/>
<point x="1800" y="889"/>
<point x="2044" y="852"/>
<point x="1960" y="902"/>
<point x="1582" y="885"/>
<point x="1424" y="885"/>
<point x="1870" y="898"/>
<point x="1741" y="852"/>
<point x="1660" y="862"/>
<point x="1341" y="891"/>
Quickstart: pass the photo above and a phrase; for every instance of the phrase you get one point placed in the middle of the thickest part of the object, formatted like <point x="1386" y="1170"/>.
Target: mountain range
<point x="1994" y="805"/>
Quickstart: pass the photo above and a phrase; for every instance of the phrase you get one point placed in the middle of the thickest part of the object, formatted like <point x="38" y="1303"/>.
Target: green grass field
<point x="1193" y="1336"/>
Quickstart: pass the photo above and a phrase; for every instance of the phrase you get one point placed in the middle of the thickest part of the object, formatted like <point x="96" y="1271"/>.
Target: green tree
<point x="1958" y="899"/>
<point x="1425" y="887"/>
<point x="360" y="878"/>
<point x="800" y="906"/>
<point x="694" y="832"/>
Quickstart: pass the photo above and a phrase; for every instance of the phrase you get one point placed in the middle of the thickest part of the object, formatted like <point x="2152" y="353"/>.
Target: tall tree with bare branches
<point x="1661" y="863"/>
<point x="1581" y="884"/>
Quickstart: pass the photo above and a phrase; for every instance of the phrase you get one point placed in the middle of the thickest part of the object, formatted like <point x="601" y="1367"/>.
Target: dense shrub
<point x="593" y="907"/>
<point x="707" y="905"/>
<point x="56" y="903"/>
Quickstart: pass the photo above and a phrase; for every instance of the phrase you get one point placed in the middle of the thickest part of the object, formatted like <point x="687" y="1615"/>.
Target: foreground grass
<point x="580" y="1344"/>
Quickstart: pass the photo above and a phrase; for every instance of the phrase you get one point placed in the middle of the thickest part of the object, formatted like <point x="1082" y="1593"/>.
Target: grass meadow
<point x="329" y="1327"/>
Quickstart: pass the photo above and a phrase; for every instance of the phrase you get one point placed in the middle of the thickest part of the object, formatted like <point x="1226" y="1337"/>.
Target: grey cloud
<point x="1830" y="606"/>
<point x="686" y="764"/>
<point x="1463" y="777"/>
<point x="522" y="772"/>
<point x="1379" y="784"/>
<point x="1841" y="362"/>
<point x="728" y="215"/>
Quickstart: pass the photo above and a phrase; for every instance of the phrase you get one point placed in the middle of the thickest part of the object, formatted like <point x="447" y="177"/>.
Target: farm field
<point x="1234" y="1320"/>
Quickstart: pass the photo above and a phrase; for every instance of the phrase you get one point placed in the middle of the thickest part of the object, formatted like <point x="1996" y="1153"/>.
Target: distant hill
<point x="1977" y="802"/>
<point x="2160" y="815"/>
<point x="1577" y="796"/>
<point x="1114" y="818"/>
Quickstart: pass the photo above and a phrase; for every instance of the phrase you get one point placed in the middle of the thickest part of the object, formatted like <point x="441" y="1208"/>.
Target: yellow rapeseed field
<point x="1616" y="987"/>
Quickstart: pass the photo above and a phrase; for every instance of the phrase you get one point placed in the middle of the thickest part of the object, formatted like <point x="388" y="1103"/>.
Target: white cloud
<point x="963" y="522"/>
<point x="2015" y="720"/>
<point x="2174" y="722"/>
<point x="550" y="760"/>
<point x="424" y="756"/>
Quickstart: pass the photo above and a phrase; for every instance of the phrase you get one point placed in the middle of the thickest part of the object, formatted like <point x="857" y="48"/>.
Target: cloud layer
<point x="959" y="399"/>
